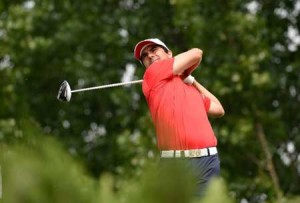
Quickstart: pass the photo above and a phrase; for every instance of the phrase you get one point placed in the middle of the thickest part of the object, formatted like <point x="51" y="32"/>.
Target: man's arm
<point x="186" y="62"/>
<point x="216" y="109"/>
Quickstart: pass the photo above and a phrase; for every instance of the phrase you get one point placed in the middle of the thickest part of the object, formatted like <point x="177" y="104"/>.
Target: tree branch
<point x="268" y="155"/>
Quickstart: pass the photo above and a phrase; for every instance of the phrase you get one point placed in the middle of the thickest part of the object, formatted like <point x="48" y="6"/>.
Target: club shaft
<point x="107" y="86"/>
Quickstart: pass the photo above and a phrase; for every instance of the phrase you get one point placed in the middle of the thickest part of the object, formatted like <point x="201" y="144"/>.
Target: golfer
<point x="179" y="107"/>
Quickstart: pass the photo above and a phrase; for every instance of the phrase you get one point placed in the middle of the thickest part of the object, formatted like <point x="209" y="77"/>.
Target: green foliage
<point x="249" y="63"/>
<point x="169" y="183"/>
<point x="43" y="172"/>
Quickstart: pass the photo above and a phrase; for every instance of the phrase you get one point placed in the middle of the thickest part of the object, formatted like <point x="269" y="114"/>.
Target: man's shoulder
<point x="158" y="64"/>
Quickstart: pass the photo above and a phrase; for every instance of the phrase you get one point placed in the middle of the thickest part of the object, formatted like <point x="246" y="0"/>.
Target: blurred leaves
<point x="248" y="64"/>
<point x="43" y="172"/>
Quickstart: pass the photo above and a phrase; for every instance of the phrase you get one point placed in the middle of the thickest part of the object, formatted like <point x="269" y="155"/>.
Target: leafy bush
<point x="43" y="172"/>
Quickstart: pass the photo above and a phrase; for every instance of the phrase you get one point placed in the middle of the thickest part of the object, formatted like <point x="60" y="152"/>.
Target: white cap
<point x="139" y="47"/>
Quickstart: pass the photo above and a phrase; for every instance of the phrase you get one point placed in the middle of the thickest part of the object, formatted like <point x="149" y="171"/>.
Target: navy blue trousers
<point x="204" y="169"/>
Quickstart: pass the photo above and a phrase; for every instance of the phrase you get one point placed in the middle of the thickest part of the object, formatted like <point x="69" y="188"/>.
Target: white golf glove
<point x="189" y="80"/>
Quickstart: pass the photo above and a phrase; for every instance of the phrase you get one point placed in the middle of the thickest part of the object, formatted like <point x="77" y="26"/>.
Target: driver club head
<point x="64" y="92"/>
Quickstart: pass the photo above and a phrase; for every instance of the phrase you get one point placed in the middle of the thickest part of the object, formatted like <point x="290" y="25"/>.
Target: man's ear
<point x="170" y="54"/>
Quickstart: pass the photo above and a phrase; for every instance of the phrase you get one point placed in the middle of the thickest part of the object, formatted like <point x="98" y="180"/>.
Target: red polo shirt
<point x="178" y="110"/>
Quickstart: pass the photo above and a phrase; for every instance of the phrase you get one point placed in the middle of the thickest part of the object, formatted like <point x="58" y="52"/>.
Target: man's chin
<point x="155" y="61"/>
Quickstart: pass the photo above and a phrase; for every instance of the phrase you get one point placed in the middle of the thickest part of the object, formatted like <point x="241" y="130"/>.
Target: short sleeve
<point x="206" y="102"/>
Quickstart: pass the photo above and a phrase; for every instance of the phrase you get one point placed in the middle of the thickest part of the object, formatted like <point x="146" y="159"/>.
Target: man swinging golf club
<point x="179" y="107"/>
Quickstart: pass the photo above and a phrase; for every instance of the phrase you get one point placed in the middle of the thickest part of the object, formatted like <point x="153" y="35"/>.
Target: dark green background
<point x="250" y="63"/>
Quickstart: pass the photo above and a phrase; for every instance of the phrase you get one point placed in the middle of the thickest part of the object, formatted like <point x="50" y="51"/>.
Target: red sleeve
<point x="206" y="102"/>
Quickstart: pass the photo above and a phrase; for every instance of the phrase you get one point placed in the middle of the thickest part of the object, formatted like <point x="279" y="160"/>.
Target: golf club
<point x="65" y="92"/>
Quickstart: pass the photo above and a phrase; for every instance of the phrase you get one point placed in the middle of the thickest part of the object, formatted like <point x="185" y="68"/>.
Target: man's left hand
<point x="189" y="80"/>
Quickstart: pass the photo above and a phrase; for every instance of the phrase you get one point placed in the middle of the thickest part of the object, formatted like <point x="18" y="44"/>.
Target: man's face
<point x="154" y="53"/>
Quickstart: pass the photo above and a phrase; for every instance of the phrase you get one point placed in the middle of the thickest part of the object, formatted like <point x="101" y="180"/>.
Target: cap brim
<point x="139" y="47"/>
